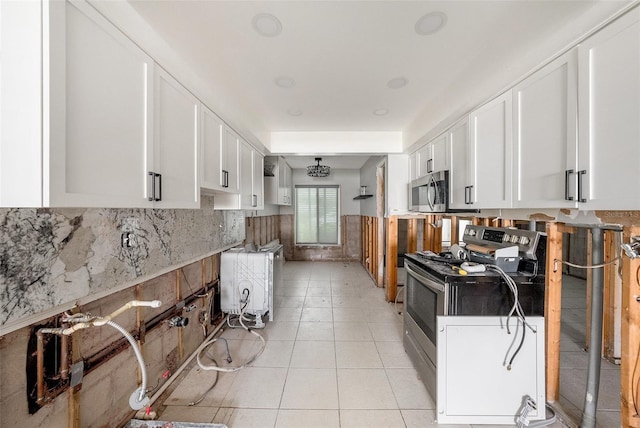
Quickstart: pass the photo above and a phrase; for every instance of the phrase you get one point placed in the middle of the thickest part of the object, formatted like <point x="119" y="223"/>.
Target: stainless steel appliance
<point x="430" y="193"/>
<point x="435" y="289"/>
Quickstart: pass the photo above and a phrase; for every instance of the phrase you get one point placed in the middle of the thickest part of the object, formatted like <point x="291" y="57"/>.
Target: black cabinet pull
<point x="254" y="200"/>
<point x="430" y="165"/>
<point x="152" y="194"/>
<point x="159" y="198"/>
<point x="567" y="175"/>
<point x="225" y="178"/>
<point x="580" y="175"/>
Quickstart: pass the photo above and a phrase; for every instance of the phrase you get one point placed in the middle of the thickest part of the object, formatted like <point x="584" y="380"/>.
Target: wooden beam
<point x="454" y="230"/>
<point x="427" y="234"/>
<point x="611" y="302"/>
<point x="552" y="310"/>
<point x="437" y="235"/>
<point x="392" y="258"/>
<point x="629" y="376"/>
<point x="412" y="235"/>
<point x="381" y="248"/>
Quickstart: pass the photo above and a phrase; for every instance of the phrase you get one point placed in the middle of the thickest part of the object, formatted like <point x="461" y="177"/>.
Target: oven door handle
<point x="427" y="282"/>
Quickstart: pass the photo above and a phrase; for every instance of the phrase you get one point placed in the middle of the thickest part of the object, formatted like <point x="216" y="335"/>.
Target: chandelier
<point x="318" y="170"/>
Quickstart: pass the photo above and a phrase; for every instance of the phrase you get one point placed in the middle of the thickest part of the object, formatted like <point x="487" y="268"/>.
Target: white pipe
<point x="136" y="350"/>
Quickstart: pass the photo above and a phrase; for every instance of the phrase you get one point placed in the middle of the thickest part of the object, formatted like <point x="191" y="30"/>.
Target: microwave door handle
<point x="432" y="182"/>
<point x="424" y="280"/>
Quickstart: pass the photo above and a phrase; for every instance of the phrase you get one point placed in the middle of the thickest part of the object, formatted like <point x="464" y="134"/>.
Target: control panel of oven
<point x="526" y="240"/>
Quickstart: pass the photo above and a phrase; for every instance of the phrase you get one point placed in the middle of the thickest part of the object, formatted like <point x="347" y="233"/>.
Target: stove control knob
<point x="524" y="240"/>
<point x="515" y="239"/>
<point x="506" y="238"/>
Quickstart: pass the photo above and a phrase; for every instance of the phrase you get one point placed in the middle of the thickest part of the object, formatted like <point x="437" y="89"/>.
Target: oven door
<point x="425" y="301"/>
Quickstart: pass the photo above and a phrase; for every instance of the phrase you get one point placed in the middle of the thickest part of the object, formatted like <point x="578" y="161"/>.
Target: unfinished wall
<point x="349" y="249"/>
<point x="111" y="372"/>
<point x="51" y="258"/>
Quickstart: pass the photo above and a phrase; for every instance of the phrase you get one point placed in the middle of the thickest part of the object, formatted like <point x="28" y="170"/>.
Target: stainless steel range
<point x="438" y="286"/>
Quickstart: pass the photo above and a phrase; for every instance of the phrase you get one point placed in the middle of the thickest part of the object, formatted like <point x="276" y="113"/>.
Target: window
<point x="317" y="215"/>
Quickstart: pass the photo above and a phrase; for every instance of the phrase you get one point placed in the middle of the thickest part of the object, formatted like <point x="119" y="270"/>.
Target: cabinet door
<point x="440" y="154"/>
<point x="211" y="138"/>
<point x="490" y="154"/>
<point x="459" y="141"/>
<point x="258" y="181"/>
<point x="609" y="118"/>
<point x="99" y="86"/>
<point x="425" y="160"/>
<point x="231" y="156"/>
<point x="545" y="145"/>
<point x="288" y="184"/>
<point x="414" y="166"/>
<point x="21" y="104"/>
<point x="246" y="176"/>
<point x="282" y="182"/>
<point x="175" y="155"/>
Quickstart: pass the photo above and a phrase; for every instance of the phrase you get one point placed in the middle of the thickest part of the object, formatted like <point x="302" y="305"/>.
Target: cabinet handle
<point x="580" y="174"/>
<point x="430" y="165"/>
<point x="467" y="190"/>
<point x="152" y="194"/>
<point x="159" y="198"/>
<point x="567" y="175"/>
<point x="254" y="200"/>
<point x="225" y="178"/>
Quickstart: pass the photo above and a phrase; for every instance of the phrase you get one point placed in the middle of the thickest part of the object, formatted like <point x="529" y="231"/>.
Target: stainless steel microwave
<point x="430" y="194"/>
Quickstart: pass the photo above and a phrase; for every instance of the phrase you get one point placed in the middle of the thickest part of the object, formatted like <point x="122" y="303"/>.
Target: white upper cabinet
<point x="490" y="131"/>
<point x="219" y="155"/>
<point x="96" y="111"/>
<point x="277" y="188"/>
<point x="231" y="160"/>
<point x="609" y="116"/>
<point x="545" y="140"/>
<point x="459" y="141"/>
<point x="251" y="178"/>
<point x="211" y="151"/>
<point x="257" y="188"/>
<point x="285" y="182"/>
<point x="414" y="166"/>
<point x="173" y="174"/>
<point x="440" y="153"/>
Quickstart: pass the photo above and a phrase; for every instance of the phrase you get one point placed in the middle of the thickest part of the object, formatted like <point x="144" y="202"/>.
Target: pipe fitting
<point x="178" y="322"/>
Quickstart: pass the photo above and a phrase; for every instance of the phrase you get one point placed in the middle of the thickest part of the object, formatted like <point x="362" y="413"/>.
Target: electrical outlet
<point x="128" y="240"/>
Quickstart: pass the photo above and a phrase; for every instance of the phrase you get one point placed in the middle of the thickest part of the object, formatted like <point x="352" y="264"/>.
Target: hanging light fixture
<point x="318" y="170"/>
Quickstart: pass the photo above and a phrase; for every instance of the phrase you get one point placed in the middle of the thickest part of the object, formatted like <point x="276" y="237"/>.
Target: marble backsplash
<point x="52" y="257"/>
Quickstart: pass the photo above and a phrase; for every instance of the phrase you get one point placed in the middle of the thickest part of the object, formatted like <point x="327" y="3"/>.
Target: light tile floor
<point x="334" y="358"/>
<point x="574" y="361"/>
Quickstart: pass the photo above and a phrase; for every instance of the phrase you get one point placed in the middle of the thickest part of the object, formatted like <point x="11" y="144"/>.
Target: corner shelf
<point x="363" y="197"/>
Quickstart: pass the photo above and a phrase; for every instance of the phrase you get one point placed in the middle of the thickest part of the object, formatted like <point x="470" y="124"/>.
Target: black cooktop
<point x="440" y="267"/>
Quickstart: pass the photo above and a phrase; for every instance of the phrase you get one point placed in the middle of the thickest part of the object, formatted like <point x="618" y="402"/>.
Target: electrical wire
<point x="395" y="302"/>
<point x="204" y="394"/>
<point x="240" y="318"/>
<point x="601" y="265"/>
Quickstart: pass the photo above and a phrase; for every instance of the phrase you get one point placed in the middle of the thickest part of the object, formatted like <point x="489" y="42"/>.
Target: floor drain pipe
<point x="595" y="334"/>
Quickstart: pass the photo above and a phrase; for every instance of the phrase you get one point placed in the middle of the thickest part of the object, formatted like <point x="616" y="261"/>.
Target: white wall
<point x="347" y="179"/>
<point x="369" y="207"/>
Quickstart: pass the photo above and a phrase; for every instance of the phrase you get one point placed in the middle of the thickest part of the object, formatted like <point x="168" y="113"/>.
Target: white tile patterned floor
<point x="334" y="358"/>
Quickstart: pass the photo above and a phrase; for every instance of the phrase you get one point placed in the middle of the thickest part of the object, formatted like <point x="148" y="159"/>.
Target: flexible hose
<point x="136" y="350"/>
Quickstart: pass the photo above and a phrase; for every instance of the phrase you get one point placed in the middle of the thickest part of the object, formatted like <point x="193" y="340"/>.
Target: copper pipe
<point x="64" y="357"/>
<point x="40" y="367"/>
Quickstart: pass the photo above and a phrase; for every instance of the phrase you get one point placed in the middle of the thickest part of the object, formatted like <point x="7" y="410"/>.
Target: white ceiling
<point x="342" y="54"/>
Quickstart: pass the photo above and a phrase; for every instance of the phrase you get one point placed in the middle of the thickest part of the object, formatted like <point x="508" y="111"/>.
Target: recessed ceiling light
<point x="267" y="25"/>
<point x="294" y="112"/>
<point x="397" y="83"/>
<point x="430" y="23"/>
<point x="285" y="82"/>
<point x="381" y="112"/>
